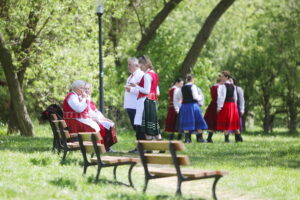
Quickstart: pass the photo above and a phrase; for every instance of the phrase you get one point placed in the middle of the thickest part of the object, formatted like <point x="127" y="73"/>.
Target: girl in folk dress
<point x="211" y="111"/>
<point x="172" y="121"/>
<point x="146" y="113"/>
<point x="228" y="116"/>
<point x="190" y="112"/>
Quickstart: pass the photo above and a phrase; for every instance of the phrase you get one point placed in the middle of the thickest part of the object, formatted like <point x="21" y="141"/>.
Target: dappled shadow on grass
<point x="64" y="183"/>
<point x="25" y="144"/>
<point x="273" y="134"/>
<point x="71" y="161"/>
<point x="144" y="196"/>
<point x="40" y="161"/>
<point x="91" y="180"/>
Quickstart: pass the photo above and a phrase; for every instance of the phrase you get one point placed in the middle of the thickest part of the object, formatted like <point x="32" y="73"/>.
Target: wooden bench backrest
<point x="62" y="123"/>
<point x="87" y="139"/>
<point x="163" y="159"/>
<point x="54" y="117"/>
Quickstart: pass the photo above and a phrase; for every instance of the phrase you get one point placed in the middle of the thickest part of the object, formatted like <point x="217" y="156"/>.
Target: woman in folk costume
<point x="172" y="121"/>
<point x="146" y="113"/>
<point x="228" y="116"/>
<point x="107" y="126"/>
<point x="76" y="110"/>
<point x="190" y="113"/>
<point x="211" y="111"/>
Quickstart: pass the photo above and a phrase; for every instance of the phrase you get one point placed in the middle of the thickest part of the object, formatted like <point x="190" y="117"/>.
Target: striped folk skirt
<point x="150" y="124"/>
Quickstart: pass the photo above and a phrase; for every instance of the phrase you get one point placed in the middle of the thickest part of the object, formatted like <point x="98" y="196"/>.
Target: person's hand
<point x="132" y="84"/>
<point x="127" y="88"/>
<point x="242" y="113"/>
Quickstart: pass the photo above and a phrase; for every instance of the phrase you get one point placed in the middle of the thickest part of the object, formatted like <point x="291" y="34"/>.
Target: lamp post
<point x="99" y="10"/>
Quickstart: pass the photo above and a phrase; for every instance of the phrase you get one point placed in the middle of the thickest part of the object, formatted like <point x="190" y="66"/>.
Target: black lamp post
<point x="99" y="10"/>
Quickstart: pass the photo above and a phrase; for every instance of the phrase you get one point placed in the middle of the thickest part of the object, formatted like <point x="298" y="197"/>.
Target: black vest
<point x="187" y="95"/>
<point x="229" y="92"/>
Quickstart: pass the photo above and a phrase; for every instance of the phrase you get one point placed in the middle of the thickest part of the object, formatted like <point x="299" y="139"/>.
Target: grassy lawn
<point x="263" y="167"/>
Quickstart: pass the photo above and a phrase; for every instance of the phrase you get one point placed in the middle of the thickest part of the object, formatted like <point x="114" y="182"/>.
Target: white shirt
<point x="196" y="96"/>
<point x="130" y="98"/>
<point x="222" y="95"/>
<point x="241" y="99"/>
<point x="79" y="104"/>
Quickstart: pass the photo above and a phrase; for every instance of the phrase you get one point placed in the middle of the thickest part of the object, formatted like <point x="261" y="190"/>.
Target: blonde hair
<point x="144" y="60"/>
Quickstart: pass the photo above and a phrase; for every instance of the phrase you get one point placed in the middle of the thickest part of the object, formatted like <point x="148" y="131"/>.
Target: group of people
<point x="224" y="112"/>
<point x="81" y="115"/>
<point x="140" y="102"/>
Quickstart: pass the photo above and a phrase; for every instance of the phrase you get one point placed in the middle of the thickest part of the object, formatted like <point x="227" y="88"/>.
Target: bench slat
<point x="115" y="159"/>
<point x="87" y="136"/>
<point x="165" y="172"/>
<point x="166" y="159"/>
<point x="162" y="145"/>
<point x="89" y="148"/>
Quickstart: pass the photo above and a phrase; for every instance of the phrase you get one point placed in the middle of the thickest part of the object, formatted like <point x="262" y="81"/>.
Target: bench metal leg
<point x="64" y="156"/>
<point x="129" y="174"/>
<point x="84" y="169"/>
<point x="115" y="172"/>
<point x="146" y="184"/>
<point x="178" y="191"/>
<point x="98" y="172"/>
<point x="214" y="187"/>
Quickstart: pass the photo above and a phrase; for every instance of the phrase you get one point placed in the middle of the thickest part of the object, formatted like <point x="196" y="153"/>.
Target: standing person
<point x="240" y="103"/>
<point x="107" y="126"/>
<point x="146" y="113"/>
<point x="76" y="113"/>
<point x="190" y="112"/>
<point x="171" y="123"/>
<point x="228" y="116"/>
<point x="131" y="93"/>
<point x="211" y="111"/>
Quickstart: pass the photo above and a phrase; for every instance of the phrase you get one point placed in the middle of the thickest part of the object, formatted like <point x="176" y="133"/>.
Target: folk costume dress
<point x="171" y="124"/>
<point x="76" y="114"/>
<point x="146" y="112"/>
<point x="240" y="105"/>
<point x="211" y="111"/>
<point x="190" y="114"/>
<point x="228" y="116"/>
<point x="107" y="127"/>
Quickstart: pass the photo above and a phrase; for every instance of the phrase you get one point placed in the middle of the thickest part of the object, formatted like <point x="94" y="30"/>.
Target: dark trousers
<point x="131" y="115"/>
<point x="139" y="134"/>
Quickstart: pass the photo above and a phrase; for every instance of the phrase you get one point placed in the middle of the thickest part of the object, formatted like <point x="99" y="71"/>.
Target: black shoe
<point x="187" y="138"/>
<point x="200" y="138"/>
<point x="209" y="141"/>
<point x="238" y="138"/>
<point x="179" y="137"/>
<point x="227" y="139"/>
<point x="133" y="151"/>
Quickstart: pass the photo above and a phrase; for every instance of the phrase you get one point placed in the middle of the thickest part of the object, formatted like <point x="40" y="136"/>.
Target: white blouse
<point x="222" y="95"/>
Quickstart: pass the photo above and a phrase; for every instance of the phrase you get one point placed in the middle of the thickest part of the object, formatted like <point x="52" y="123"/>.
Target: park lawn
<point x="263" y="167"/>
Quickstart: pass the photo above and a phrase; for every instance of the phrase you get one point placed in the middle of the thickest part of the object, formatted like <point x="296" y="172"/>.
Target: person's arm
<point x="195" y="94"/>
<point x="241" y="100"/>
<point x="147" y="85"/>
<point x="201" y="102"/>
<point x="176" y="99"/>
<point x="157" y="91"/>
<point x="76" y="105"/>
<point x="221" y="96"/>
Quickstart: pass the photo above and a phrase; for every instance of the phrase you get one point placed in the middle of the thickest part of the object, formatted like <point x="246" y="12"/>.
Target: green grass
<point x="263" y="167"/>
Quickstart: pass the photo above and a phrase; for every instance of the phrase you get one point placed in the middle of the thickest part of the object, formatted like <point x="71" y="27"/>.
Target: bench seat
<point x="115" y="159"/>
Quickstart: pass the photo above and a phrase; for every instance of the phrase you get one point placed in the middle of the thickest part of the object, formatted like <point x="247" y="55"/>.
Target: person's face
<point x="180" y="84"/>
<point x="222" y="77"/>
<point x="87" y="90"/>
<point x="79" y="90"/>
<point x="131" y="67"/>
<point x="143" y="67"/>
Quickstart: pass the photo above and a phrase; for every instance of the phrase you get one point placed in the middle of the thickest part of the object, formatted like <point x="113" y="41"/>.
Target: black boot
<point x="227" y="138"/>
<point x="188" y="138"/>
<point x="179" y="137"/>
<point x="238" y="138"/>
<point x="200" y="138"/>
<point x="209" y="140"/>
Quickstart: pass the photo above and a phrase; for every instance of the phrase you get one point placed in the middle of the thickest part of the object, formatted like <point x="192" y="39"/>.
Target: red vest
<point x="171" y="95"/>
<point x="69" y="113"/>
<point x="153" y="89"/>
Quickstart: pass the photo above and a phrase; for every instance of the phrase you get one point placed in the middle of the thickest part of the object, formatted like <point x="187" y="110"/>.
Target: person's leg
<point x="209" y="137"/>
<point x="131" y="115"/>
<point x="238" y="137"/>
<point x="200" y="136"/>
<point x="226" y="134"/>
<point x="187" y="137"/>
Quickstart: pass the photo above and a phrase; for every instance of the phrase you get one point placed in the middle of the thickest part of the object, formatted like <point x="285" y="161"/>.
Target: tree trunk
<point x="16" y="95"/>
<point x="156" y="22"/>
<point x="292" y="108"/>
<point x="203" y="36"/>
<point x="267" y="114"/>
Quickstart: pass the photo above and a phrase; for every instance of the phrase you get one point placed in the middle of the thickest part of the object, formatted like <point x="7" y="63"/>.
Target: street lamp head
<point x="99" y="5"/>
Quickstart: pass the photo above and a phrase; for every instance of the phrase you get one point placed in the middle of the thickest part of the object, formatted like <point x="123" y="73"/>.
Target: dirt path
<point x="200" y="189"/>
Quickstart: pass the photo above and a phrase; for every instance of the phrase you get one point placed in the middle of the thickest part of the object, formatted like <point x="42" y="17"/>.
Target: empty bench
<point x="175" y="161"/>
<point x="89" y="146"/>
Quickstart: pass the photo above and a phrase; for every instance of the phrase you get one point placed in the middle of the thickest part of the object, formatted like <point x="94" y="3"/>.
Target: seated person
<point x="109" y="134"/>
<point x="76" y="107"/>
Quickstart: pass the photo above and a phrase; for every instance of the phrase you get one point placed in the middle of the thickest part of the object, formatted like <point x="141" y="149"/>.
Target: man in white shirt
<point x="131" y="93"/>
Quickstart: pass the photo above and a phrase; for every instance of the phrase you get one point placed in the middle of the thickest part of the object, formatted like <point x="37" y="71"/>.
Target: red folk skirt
<point x="228" y="118"/>
<point x="171" y="120"/>
<point x="211" y="116"/>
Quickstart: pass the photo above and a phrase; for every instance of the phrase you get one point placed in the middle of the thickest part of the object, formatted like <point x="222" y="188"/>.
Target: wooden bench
<point x="176" y="161"/>
<point x="63" y="138"/>
<point x="88" y="145"/>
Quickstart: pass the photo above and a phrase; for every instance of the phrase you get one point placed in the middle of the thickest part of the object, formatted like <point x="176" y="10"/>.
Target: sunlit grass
<point x="261" y="167"/>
